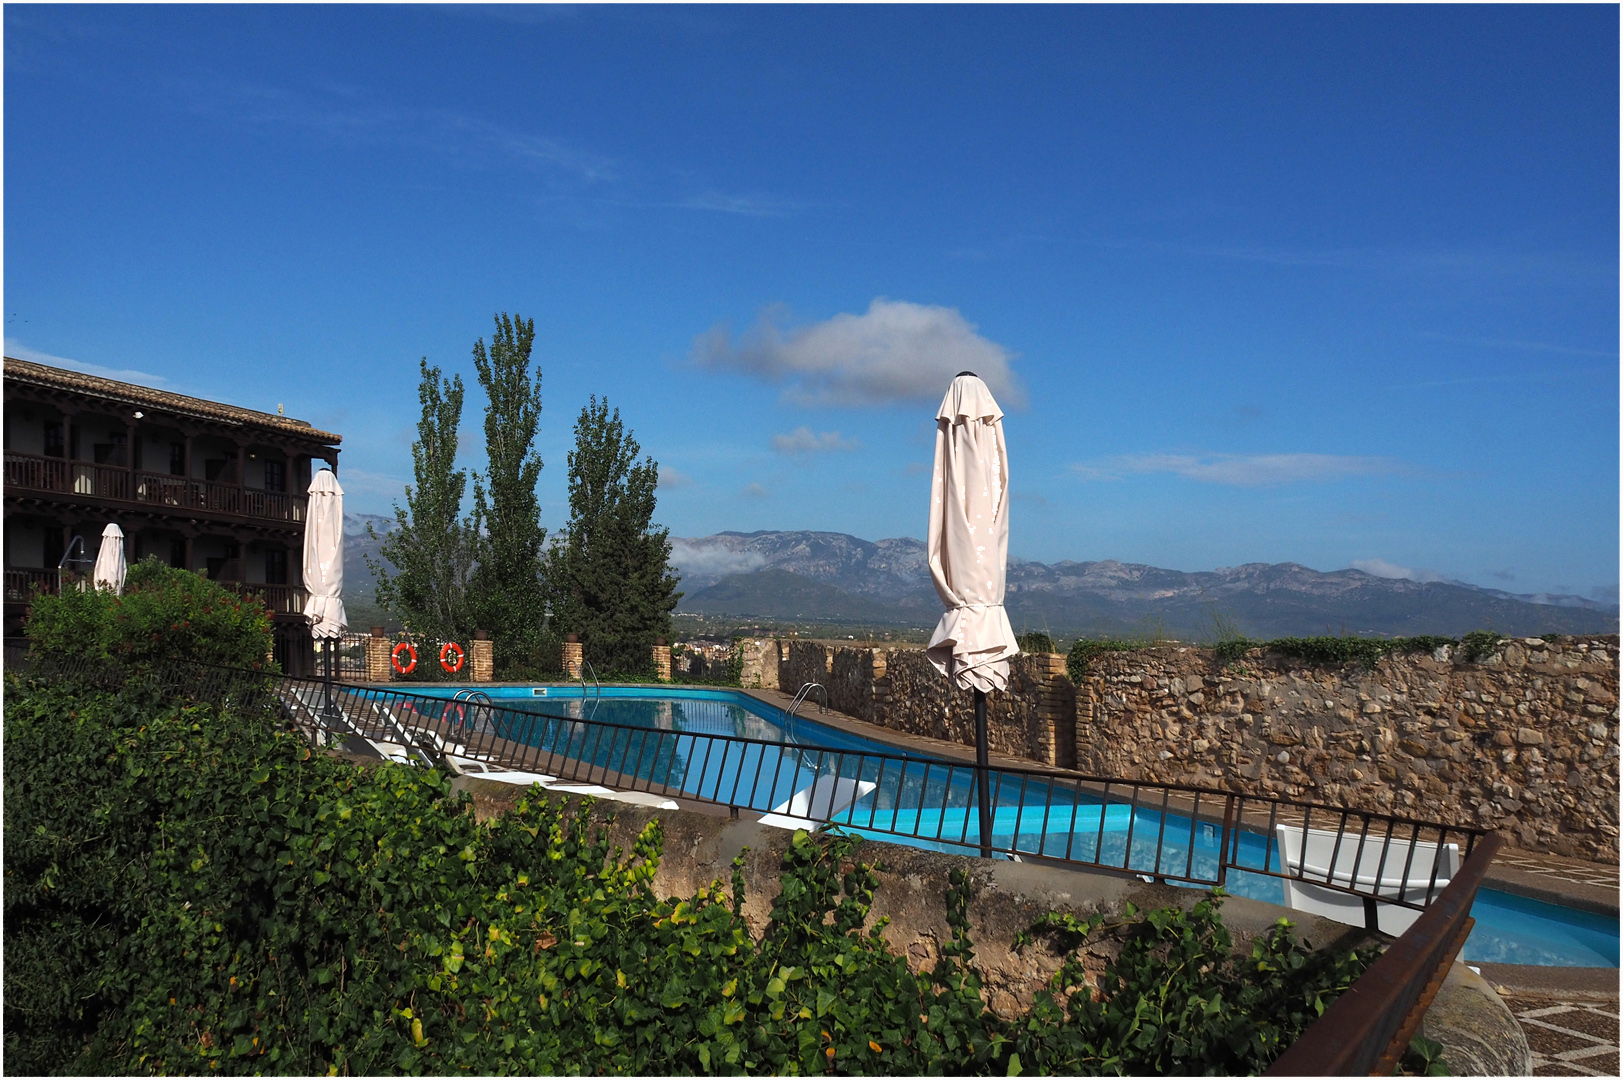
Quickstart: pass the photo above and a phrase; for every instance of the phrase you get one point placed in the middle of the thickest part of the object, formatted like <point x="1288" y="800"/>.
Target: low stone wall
<point x="1525" y="742"/>
<point x="1467" y="1017"/>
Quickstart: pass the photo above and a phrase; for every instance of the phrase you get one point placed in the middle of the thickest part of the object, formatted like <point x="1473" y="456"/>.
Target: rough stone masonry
<point x="1525" y="741"/>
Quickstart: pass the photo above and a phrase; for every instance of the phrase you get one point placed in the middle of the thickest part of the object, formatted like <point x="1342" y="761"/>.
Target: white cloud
<point x="802" y="441"/>
<point x="670" y="478"/>
<point x="896" y="351"/>
<point x="754" y="491"/>
<point x="699" y="560"/>
<point x="1382" y="569"/>
<point x="1245" y="470"/>
<point x="23" y="352"/>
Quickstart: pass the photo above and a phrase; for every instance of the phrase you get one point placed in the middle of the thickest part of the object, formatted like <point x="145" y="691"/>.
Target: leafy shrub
<point x="1077" y="661"/>
<point x="191" y="890"/>
<point x="1479" y="645"/>
<point x="1036" y="641"/>
<point x="1350" y="650"/>
<point x="1178" y="1000"/>
<point x="165" y="614"/>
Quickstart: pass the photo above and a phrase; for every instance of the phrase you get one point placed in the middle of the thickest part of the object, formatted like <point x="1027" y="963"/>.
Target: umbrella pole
<point x="982" y="781"/>
<point x="327" y="644"/>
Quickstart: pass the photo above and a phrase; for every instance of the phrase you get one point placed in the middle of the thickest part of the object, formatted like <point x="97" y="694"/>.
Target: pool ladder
<point x="799" y="700"/>
<point x="580" y="673"/>
<point x="475" y="697"/>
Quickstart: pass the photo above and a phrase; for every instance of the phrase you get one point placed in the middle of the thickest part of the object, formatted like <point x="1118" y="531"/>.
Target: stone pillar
<point x="662" y="660"/>
<point x="482" y="656"/>
<point x="572" y="656"/>
<point x="1056" y="711"/>
<point x="378" y="667"/>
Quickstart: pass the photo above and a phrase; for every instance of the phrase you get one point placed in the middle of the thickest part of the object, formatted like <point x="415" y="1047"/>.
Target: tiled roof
<point x="95" y="386"/>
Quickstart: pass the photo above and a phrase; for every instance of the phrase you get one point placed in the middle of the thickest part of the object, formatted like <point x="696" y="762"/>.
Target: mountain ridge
<point x="720" y="575"/>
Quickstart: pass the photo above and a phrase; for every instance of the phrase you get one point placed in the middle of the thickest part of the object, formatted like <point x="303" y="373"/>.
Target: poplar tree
<point x="432" y="548"/>
<point x="507" y="588"/>
<point x="609" y="576"/>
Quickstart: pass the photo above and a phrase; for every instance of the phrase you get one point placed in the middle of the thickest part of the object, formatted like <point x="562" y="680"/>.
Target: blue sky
<point x="1336" y="286"/>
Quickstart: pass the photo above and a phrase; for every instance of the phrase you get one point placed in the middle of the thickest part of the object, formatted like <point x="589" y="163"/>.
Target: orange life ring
<point x="449" y="647"/>
<point x="394" y="658"/>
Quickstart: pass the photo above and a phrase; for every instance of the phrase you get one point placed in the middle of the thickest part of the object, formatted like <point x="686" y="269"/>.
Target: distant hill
<point x="834" y="576"/>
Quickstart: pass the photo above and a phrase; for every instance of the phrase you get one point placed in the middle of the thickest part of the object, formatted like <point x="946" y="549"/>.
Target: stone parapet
<point x="572" y="657"/>
<point x="662" y="661"/>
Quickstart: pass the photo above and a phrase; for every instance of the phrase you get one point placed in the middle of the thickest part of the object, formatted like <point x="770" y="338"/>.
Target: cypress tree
<point x="432" y="548"/>
<point x="507" y="582"/>
<point x="610" y="576"/>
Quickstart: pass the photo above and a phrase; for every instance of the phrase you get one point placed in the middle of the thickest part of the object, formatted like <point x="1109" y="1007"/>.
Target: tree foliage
<point x="609" y="576"/>
<point x="164" y="614"/>
<point x="507" y="585"/>
<point x="427" y="560"/>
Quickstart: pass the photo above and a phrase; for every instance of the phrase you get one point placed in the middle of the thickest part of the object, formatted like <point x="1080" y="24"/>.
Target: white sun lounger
<point x="818" y="802"/>
<point x="1357" y="861"/>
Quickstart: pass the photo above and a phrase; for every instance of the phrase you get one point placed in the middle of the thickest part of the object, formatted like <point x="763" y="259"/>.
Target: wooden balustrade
<point x="21" y="584"/>
<point x="36" y="473"/>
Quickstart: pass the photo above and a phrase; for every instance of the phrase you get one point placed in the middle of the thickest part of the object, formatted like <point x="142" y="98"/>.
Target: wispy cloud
<point x="895" y="351"/>
<point x="1382" y="569"/>
<point x="130" y="375"/>
<point x="1516" y="345"/>
<point x="747" y="205"/>
<point x="801" y="441"/>
<point x="1242" y="470"/>
<point x="704" y="560"/>
<point x="670" y="478"/>
<point x="754" y="491"/>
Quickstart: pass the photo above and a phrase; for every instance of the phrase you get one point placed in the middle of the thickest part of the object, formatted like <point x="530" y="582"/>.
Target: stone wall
<point x="900" y="689"/>
<point x="1525" y="742"/>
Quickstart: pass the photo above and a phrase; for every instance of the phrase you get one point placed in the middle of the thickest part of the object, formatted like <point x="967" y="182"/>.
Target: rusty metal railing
<point x="1365" y="1031"/>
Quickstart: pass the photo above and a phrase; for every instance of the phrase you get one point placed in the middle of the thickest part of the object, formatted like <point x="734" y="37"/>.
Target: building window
<point x="111" y="453"/>
<point x="275" y="566"/>
<point x="177" y="459"/>
<point x="275" y="475"/>
<point x="177" y="553"/>
<point x="53" y="438"/>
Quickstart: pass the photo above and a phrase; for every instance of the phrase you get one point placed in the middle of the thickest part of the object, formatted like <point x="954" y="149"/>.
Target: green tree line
<point x="605" y="576"/>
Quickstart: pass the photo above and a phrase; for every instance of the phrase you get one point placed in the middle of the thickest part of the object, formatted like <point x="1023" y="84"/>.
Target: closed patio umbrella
<point x="109" y="569"/>
<point x="968" y="547"/>
<point x="324" y="561"/>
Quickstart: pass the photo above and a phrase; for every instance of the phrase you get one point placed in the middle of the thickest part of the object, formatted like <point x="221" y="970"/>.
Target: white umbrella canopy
<point x="324" y="557"/>
<point x="110" y="567"/>
<point x="968" y="542"/>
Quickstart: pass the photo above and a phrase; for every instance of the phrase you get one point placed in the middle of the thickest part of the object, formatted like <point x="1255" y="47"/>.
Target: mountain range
<point x="834" y="577"/>
<point x="826" y="576"/>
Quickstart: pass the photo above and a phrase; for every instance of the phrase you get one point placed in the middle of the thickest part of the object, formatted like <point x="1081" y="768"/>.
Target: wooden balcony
<point x="111" y="483"/>
<point x="23" y="583"/>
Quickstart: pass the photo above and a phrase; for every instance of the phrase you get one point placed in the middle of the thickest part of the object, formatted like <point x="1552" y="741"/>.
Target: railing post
<point x="1223" y="842"/>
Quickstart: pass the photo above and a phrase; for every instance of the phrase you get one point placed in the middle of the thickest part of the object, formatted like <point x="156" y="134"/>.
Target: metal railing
<point x="1380" y="863"/>
<point x="1366" y="1030"/>
<point x="117" y="484"/>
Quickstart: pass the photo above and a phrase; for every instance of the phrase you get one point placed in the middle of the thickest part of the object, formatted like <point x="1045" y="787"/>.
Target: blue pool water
<point x="935" y="799"/>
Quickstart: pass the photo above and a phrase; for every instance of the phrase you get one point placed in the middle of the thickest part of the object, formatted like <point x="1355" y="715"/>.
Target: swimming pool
<point x="937" y="801"/>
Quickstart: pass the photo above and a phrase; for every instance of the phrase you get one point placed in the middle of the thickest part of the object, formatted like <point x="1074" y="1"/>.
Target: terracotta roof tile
<point x="94" y="385"/>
